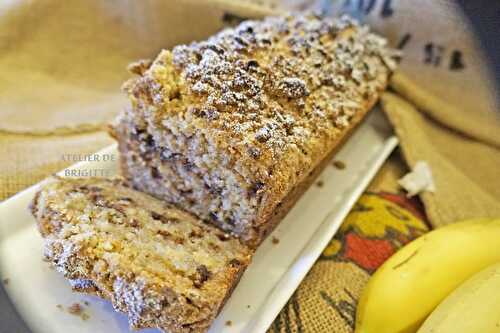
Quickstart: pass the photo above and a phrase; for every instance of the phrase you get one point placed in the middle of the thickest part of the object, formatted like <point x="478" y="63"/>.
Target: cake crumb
<point x="275" y="240"/>
<point x="75" y="309"/>
<point x="339" y="165"/>
<point x="320" y="183"/>
<point x="6" y="281"/>
<point x="229" y="323"/>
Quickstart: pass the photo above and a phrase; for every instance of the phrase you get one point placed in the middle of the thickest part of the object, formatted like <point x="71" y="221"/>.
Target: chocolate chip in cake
<point x="155" y="173"/>
<point x="202" y="275"/>
<point x="188" y="166"/>
<point x="252" y="64"/>
<point x="234" y="262"/>
<point x="149" y="141"/>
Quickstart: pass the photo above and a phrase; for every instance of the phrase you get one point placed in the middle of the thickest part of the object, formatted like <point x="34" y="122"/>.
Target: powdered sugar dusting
<point x="269" y="76"/>
<point x="82" y="284"/>
<point x="123" y="245"/>
<point x="249" y="113"/>
<point x="292" y="87"/>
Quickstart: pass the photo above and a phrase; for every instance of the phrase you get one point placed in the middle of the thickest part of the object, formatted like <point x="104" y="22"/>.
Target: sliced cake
<point x="162" y="267"/>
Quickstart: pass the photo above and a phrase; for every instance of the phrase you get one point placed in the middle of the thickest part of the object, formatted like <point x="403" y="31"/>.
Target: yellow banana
<point x="474" y="307"/>
<point x="408" y="286"/>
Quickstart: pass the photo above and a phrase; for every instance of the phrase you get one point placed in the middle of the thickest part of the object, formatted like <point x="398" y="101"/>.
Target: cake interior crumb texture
<point x="162" y="267"/>
<point x="226" y="128"/>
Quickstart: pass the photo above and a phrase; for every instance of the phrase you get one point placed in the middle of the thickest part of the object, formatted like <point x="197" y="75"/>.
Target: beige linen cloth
<point x="62" y="63"/>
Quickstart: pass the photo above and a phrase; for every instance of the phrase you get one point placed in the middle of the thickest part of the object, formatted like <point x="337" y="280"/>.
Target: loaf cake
<point x="230" y="129"/>
<point x="162" y="267"/>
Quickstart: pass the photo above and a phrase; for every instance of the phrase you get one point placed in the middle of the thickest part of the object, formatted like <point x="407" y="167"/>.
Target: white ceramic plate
<point x="269" y="281"/>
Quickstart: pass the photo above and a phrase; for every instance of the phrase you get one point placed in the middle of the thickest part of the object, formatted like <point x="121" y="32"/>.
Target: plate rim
<point x="14" y="322"/>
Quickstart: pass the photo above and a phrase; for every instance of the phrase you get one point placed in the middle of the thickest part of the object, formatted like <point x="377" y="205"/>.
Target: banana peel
<point x="409" y="285"/>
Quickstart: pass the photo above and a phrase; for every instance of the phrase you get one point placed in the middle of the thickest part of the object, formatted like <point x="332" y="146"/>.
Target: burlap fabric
<point x="465" y="170"/>
<point x="326" y="300"/>
<point x="27" y="159"/>
<point x="62" y="63"/>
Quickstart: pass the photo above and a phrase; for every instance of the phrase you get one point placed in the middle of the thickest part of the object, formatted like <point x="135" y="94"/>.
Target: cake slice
<point x="233" y="129"/>
<point x="162" y="267"/>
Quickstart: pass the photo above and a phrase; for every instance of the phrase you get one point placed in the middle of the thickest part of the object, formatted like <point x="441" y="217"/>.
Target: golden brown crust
<point x="296" y="193"/>
<point x="159" y="265"/>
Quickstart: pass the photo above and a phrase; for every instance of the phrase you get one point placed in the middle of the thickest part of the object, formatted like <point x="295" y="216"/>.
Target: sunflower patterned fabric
<point x="376" y="227"/>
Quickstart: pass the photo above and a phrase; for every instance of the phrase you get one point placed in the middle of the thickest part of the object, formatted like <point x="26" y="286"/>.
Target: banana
<point x="474" y="307"/>
<point x="410" y="284"/>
